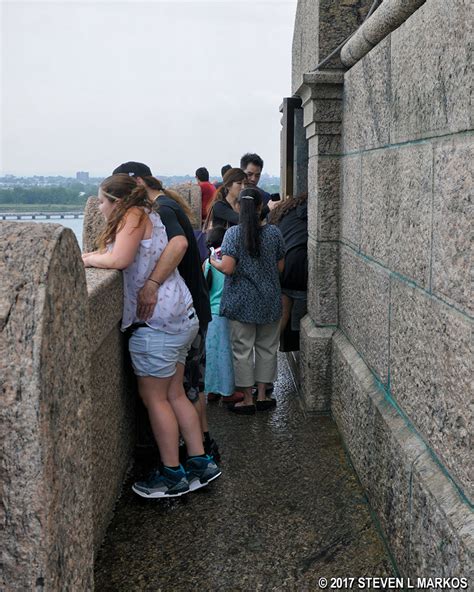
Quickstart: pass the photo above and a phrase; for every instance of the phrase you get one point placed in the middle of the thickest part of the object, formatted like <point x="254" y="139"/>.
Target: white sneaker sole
<point x="159" y="494"/>
<point x="196" y="484"/>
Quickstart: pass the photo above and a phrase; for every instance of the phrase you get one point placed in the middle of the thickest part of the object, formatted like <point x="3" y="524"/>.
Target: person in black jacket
<point x="222" y="211"/>
<point x="291" y="217"/>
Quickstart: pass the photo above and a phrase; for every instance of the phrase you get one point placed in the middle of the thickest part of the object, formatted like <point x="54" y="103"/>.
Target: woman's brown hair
<point x="231" y="176"/>
<point x="290" y="203"/>
<point x="124" y="191"/>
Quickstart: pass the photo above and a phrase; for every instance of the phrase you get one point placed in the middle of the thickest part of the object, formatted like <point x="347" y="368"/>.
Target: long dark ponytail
<point x="250" y="202"/>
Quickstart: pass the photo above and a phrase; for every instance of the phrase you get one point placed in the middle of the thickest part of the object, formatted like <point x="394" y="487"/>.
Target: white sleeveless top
<point x="175" y="302"/>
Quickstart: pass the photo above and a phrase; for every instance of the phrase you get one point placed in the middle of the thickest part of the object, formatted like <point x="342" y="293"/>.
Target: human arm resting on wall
<point x="127" y="241"/>
<point x="169" y="260"/>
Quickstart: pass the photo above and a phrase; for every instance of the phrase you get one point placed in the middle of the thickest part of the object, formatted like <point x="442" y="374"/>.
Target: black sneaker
<point x="200" y="471"/>
<point x="167" y="483"/>
<point x="212" y="449"/>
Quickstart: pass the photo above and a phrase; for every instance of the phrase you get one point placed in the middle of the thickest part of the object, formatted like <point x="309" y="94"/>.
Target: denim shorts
<point x="156" y="353"/>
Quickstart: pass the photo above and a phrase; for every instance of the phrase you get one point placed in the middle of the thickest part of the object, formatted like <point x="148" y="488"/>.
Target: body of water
<point x="75" y="224"/>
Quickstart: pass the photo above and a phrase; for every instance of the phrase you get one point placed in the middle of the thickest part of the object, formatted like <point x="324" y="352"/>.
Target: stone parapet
<point x="191" y="192"/>
<point x="111" y="385"/>
<point x="93" y="225"/>
<point x="47" y="539"/>
<point x="67" y="413"/>
<point x="427" y="522"/>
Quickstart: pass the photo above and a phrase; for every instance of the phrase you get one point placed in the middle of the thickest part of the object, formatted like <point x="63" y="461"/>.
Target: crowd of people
<point x="200" y="329"/>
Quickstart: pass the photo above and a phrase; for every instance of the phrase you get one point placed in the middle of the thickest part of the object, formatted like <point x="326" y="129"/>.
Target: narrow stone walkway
<point x="287" y="511"/>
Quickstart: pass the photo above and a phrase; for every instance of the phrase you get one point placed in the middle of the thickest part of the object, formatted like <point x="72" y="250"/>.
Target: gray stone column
<point x="300" y="164"/>
<point x="321" y="94"/>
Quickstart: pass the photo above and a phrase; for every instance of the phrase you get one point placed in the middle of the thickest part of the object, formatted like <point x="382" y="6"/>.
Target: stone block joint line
<point x="388" y="396"/>
<point x="405" y="279"/>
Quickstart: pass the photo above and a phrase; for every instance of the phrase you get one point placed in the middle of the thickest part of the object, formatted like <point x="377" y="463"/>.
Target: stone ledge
<point x="105" y="297"/>
<point x="427" y="524"/>
<point x="388" y="17"/>
<point x="45" y="410"/>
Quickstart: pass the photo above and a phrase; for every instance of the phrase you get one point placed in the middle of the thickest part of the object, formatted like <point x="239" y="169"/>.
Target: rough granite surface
<point x="389" y="15"/>
<point x="364" y="309"/>
<point x="112" y="426"/>
<point x="192" y="194"/>
<point x="93" y="226"/>
<point x="431" y="359"/>
<point x="396" y="209"/>
<point x="323" y="276"/>
<point x="428" y="524"/>
<point x="350" y="208"/>
<point x="431" y="68"/>
<point x="323" y="203"/>
<point x="366" y="114"/>
<point x="315" y="364"/>
<point x="46" y="506"/>
<point x="453" y="216"/>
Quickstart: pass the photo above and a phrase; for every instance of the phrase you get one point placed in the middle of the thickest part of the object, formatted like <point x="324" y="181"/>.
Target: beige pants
<point x="254" y="352"/>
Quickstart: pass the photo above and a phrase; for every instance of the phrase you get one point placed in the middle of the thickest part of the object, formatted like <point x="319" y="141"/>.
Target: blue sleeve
<point x="230" y="244"/>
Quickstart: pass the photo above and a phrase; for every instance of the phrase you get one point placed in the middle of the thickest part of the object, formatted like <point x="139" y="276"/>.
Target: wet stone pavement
<point x="287" y="510"/>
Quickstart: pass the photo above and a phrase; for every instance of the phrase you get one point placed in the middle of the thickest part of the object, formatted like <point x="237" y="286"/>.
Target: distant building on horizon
<point x="82" y="176"/>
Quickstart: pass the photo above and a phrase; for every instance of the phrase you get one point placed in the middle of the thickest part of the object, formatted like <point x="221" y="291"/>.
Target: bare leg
<point x="187" y="416"/>
<point x="248" y="399"/>
<point x="287" y="304"/>
<point x="261" y="395"/>
<point x="154" y="393"/>
<point x="201" y="408"/>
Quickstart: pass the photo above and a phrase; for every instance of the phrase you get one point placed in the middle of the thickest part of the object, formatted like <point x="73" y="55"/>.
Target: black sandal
<point x="243" y="409"/>
<point x="266" y="404"/>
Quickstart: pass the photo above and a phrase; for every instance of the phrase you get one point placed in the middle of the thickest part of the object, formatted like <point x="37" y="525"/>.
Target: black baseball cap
<point x="134" y="169"/>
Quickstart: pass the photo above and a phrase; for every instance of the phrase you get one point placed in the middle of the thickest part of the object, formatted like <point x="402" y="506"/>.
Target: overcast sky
<point x="177" y="85"/>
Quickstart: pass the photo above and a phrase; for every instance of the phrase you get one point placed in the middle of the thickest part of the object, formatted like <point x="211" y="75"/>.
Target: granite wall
<point x="387" y="343"/>
<point x="66" y="414"/>
<point x="47" y="531"/>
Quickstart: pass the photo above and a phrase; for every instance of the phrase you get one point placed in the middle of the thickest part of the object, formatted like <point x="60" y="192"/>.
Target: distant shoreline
<point x="40" y="208"/>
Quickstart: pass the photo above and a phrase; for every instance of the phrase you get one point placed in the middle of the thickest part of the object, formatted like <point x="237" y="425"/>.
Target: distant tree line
<point x="74" y="194"/>
<point x="71" y="194"/>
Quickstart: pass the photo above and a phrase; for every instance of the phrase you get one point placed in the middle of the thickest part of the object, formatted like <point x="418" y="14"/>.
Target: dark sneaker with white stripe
<point x="164" y="483"/>
<point x="200" y="471"/>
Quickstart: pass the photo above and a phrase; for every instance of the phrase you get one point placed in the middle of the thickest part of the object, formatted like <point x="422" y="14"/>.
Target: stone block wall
<point x="387" y="342"/>
<point x="402" y="358"/>
<point x="66" y="414"/>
